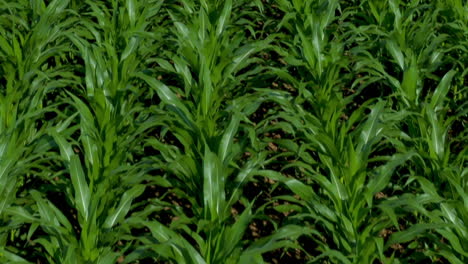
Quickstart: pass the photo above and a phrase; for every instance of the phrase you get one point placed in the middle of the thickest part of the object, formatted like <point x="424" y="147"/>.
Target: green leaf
<point x="21" y="213"/>
<point x="411" y="233"/>
<point x="11" y="258"/>
<point x="82" y="192"/>
<point x="131" y="47"/>
<point x="226" y="141"/>
<point x="442" y="89"/>
<point x="278" y="239"/>
<point x="383" y="174"/>
<point x="65" y="148"/>
<point x="372" y="127"/>
<point x="410" y="82"/>
<point x="6" y="47"/>
<point x="168" y="97"/>
<point x="131" y="11"/>
<point x="224" y="17"/>
<point x="213" y="185"/>
<point x="124" y="206"/>
<point x="182" y="251"/>
<point x="396" y="53"/>
<point x="232" y="236"/>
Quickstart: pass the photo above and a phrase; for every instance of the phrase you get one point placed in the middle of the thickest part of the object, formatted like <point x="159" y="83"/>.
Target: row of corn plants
<point x="233" y="131"/>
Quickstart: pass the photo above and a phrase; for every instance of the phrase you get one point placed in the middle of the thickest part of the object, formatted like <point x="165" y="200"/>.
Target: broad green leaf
<point x="277" y="240"/>
<point x="181" y="249"/>
<point x="383" y="174"/>
<point x="213" y="185"/>
<point x="226" y="141"/>
<point x="372" y="127"/>
<point x="437" y="137"/>
<point x="21" y="213"/>
<point x="224" y="17"/>
<point x="168" y="97"/>
<point x="82" y="192"/>
<point x="8" y="257"/>
<point x="47" y="215"/>
<point x="411" y="233"/>
<point x="7" y="193"/>
<point x="5" y="46"/>
<point x="410" y="82"/>
<point x="441" y="90"/>
<point x="396" y="53"/>
<point x="124" y="206"/>
<point x="454" y="240"/>
<point x="65" y="148"/>
<point x="131" y="48"/>
<point x="334" y="254"/>
<point x="131" y="5"/>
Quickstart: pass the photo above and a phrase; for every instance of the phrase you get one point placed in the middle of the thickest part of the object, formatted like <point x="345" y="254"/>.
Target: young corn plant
<point x="339" y="154"/>
<point x="420" y="51"/>
<point x="313" y="51"/>
<point x="344" y="179"/>
<point x="104" y="176"/>
<point x="212" y="59"/>
<point x="441" y="163"/>
<point x="33" y="67"/>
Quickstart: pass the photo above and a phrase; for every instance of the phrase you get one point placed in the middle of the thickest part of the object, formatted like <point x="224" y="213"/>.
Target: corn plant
<point x="346" y="206"/>
<point x="419" y="55"/>
<point x="325" y="136"/>
<point x="440" y="163"/>
<point x="211" y="51"/>
<point x="105" y="125"/>
<point x="33" y="69"/>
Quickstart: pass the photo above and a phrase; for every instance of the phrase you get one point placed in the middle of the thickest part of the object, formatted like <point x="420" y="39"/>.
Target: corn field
<point x="233" y="131"/>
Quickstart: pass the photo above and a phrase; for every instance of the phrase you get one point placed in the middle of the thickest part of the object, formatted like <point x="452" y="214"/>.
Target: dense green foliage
<point x="234" y="131"/>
